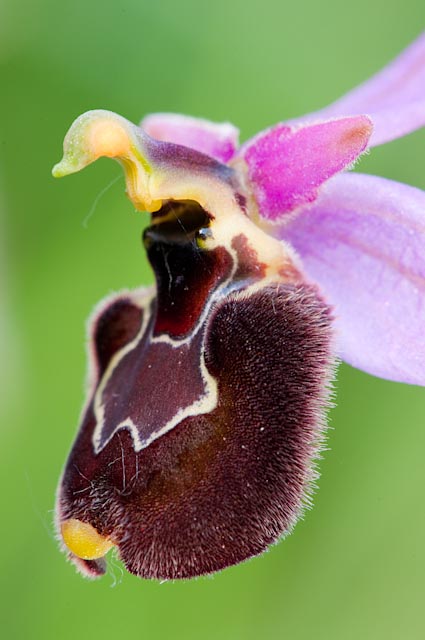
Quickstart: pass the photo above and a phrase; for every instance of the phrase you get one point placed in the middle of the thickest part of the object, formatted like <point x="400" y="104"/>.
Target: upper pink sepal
<point x="218" y="140"/>
<point x="287" y="165"/>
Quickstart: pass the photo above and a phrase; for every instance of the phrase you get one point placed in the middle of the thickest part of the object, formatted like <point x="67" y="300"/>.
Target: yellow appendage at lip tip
<point x="83" y="540"/>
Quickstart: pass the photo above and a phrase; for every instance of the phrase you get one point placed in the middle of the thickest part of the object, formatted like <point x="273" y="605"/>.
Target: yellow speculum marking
<point x="83" y="540"/>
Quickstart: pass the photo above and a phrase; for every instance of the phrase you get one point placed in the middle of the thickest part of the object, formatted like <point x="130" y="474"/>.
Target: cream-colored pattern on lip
<point x="272" y="253"/>
<point x="204" y="404"/>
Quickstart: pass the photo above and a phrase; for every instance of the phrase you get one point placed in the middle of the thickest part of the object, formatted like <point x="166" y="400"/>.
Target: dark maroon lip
<point x="221" y="486"/>
<point x="196" y="450"/>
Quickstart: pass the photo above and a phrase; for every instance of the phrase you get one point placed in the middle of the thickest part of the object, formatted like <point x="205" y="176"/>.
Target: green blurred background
<point x="355" y="566"/>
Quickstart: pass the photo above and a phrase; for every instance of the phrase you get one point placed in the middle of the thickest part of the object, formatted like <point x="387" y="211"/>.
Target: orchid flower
<point x="208" y="392"/>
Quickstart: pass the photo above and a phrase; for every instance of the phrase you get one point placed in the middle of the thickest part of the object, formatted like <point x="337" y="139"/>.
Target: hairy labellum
<point x="195" y="452"/>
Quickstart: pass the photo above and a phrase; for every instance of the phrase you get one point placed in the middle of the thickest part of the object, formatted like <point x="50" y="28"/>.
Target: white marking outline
<point x="206" y="403"/>
<point x="273" y="252"/>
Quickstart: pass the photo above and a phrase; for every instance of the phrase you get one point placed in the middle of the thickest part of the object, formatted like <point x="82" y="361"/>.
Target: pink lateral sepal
<point x="363" y="242"/>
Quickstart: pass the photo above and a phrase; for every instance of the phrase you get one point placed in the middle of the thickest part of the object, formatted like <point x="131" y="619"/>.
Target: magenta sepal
<point x="286" y="166"/>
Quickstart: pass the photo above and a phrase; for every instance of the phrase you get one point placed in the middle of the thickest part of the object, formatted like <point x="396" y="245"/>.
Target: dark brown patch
<point x="249" y="265"/>
<point x="116" y="326"/>
<point x="241" y="200"/>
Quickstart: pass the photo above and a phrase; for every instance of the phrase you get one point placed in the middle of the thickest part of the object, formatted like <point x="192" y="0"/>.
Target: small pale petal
<point x="363" y="242"/>
<point x="218" y="140"/>
<point x="286" y="166"/>
<point x="394" y="97"/>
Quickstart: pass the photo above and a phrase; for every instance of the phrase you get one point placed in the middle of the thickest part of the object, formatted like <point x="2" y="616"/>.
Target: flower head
<point x="208" y="392"/>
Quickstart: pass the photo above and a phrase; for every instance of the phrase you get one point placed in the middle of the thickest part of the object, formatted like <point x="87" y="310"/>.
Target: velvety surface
<point x="220" y="486"/>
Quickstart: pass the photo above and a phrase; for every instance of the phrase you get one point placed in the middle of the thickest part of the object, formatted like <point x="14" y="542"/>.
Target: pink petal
<point x="363" y="242"/>
<point x="219" y="141"/>
<point x="287" y="165"/>
<point x="394" y="98"/>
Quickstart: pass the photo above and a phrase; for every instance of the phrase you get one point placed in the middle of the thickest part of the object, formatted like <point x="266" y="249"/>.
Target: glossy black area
<point x="176" y="223"/>
<point x="186" y="274"/>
